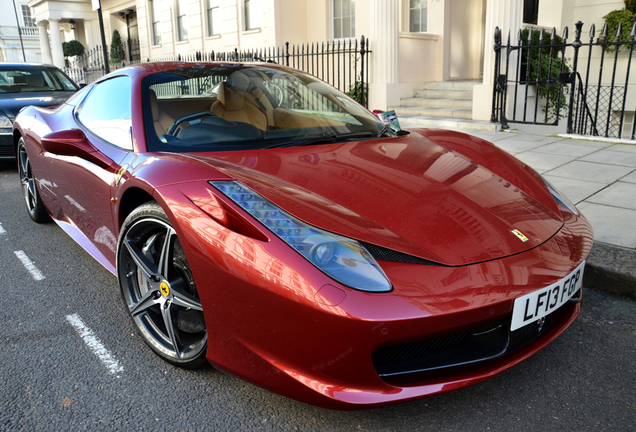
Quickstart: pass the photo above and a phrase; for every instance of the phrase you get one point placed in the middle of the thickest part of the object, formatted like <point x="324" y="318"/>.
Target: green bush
<point x="612" y="19"/>
<point x="630" y="5"/>
<point x="116" y="48"/>
<point x="547" y="72"/>
<point x="355" y="92"/>
<point x="72" y="48"/>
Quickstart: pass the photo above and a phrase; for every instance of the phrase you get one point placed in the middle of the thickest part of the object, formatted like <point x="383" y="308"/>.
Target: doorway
<point x="466" y="32"/>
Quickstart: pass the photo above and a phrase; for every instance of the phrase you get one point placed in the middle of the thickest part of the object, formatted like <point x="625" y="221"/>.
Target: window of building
<point x="530" y="11"/>
<point x="182" y="19"/>
<point x="252" y="14"/>
<point x="154" y="17"/>
<point x="214" y="18"/>
<point x="344" y="19"/>
<point x="106" y="112"/>
<point x="27" y="16"/>
<point x="418" y="13"/>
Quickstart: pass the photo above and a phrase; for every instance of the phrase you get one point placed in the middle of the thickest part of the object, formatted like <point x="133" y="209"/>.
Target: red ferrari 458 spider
<point x="260" y="219"/>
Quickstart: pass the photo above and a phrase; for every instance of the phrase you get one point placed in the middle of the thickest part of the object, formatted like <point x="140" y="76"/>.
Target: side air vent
<point x="381" y="253"/>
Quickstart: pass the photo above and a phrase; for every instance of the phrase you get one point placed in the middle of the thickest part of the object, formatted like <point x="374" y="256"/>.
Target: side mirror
<point x="82" y="85"/>
<point x="73" y="142"/>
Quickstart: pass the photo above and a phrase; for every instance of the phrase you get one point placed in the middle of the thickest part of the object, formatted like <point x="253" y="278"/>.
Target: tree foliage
<point x="116" y="48"/>
<point x="545" y="70"/>
<point x="72" y="48"/>
<point x="624" y="16"/>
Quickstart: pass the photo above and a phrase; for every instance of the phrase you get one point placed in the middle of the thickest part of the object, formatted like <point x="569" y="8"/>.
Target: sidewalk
<point x="600" y="178"/>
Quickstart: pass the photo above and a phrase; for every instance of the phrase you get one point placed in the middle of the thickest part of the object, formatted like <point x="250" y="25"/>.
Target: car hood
<point x="11" y="103"/>
<point x="412" y="194"/>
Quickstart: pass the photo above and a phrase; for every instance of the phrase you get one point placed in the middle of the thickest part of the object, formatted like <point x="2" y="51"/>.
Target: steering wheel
<point x="188" y="118"/>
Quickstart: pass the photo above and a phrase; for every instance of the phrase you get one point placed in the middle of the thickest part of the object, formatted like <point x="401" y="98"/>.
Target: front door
<point x="465" y="51"/>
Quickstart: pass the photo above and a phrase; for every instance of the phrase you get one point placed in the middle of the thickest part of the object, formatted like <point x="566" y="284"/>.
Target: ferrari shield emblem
<point x="165" y="289"/>
<point x="519" y="234"/>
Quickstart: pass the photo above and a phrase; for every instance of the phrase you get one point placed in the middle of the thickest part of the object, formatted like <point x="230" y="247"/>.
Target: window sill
<point x="183" y="42"/>
<point x="421" y="36"/>
<point x="344" y="40"/>
<point x="216" y="36"/>
<point x="251" y="31"/>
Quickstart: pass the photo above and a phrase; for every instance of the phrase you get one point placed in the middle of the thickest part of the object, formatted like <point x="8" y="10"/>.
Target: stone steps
<point x="410" y="122"/>
<point x="433" y="112"/>
<point x="455" y="104"/>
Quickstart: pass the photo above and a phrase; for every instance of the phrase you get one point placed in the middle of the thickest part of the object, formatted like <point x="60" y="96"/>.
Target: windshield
<point x="238" y="106"/>
<point x="33" y="79"/>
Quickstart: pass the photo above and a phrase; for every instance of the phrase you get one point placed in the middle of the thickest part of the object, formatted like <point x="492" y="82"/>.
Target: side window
<point x="106" y="112"/>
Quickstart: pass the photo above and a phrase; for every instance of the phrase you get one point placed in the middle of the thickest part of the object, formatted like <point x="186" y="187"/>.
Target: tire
<point x="158" y="288"/>
<point x="35" y="208"/>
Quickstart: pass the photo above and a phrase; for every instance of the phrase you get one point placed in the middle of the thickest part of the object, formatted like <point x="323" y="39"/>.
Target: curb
<point x="611" y="268"/>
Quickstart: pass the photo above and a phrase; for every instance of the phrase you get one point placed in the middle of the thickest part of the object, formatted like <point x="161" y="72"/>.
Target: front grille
<point x="411" y="361"/>
<point x="384" y="254"/>
<point x="455" y="349"/>
<point x="6" y="150"/>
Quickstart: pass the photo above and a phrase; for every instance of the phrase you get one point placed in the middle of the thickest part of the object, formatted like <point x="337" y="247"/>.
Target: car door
<point x="84" y="182"/>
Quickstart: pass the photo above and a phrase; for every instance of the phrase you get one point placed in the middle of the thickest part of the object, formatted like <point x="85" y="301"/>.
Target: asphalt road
<point x="51" y="378"/>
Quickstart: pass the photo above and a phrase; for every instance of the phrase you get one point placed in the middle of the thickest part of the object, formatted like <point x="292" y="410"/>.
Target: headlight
<point x="5" y="122"/>
<point x="560" y="198"/>
<point x="343" y="259"/>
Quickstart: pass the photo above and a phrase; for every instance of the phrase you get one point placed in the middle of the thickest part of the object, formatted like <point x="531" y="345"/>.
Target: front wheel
<point x="158" y="288"/>
<point x="36" y="209"/>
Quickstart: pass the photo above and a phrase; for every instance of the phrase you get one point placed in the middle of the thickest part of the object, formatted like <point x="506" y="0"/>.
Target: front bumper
<point x="276" y="321"/>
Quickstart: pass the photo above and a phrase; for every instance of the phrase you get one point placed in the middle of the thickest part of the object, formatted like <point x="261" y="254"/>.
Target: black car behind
<point x="23" y="84"/>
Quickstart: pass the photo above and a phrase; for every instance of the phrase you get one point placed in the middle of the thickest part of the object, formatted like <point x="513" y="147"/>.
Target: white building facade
<point x="412" y="41"/>
<point x="19" y="37"/>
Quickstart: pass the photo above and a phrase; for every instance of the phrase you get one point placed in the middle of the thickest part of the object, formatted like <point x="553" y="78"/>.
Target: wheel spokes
<point x="159" y="290"/>
<point x="183" y="301"/>
<point x="24" y="163"/>
<point x="147" y="301"/>
<point x="139" y="258"/>
<point x="167" y="320"/>
<point x="31" y="192"/>
<point x="165" y="258"/>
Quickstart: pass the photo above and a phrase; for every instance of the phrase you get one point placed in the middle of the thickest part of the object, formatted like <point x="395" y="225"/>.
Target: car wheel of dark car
<point x="36" y="209"/>
<point x="158" y="287"/>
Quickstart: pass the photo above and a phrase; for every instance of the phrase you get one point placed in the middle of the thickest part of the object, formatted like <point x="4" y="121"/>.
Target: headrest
<point x="154" y="105"/>
<point x="230" y="99"/>
<point x="239" y="82"/>
<point x="220" y="95"/>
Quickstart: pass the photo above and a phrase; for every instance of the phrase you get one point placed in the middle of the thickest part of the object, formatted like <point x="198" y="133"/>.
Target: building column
<point x="88" y="34"/>
<point x="56" y="43"/>
<point x="384" y="39"/>
<point x="45" y="46"/>
<point x="507" y="15"/>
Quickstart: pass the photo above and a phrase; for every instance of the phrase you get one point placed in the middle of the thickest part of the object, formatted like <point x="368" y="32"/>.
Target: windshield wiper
<point x="321" y="139"/>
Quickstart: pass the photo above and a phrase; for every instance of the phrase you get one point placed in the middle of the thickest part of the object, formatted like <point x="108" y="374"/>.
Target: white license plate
<point x="534" y="306"/>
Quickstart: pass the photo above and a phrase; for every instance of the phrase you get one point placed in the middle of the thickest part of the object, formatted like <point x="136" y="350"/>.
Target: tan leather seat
<point x="161" y="120"/>
<point x="233" y="106"/>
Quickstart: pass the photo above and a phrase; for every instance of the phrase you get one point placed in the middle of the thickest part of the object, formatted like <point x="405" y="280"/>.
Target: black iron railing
<point x="343" y="64"/>
<point x="537" y="81"/>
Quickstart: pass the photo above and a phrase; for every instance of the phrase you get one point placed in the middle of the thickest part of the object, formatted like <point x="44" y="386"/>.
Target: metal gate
<point x="544" y="79"/>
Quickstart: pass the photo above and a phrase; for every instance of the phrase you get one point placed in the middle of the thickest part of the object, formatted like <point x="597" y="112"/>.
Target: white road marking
<point x="95" y="344"/>
<point x="37" y="274"/>
<point x="2" y="230"/>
